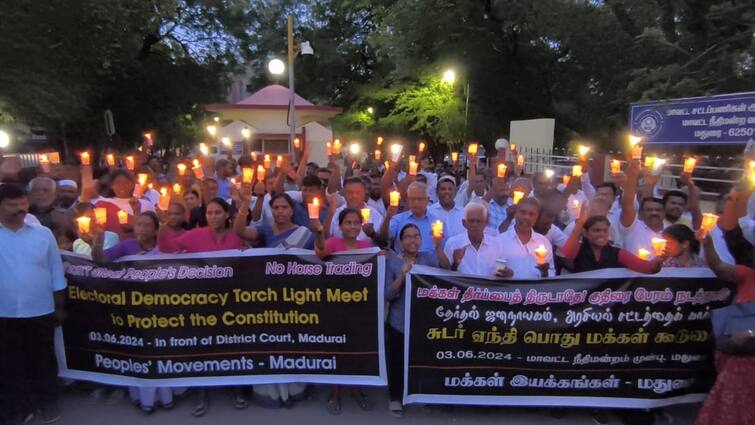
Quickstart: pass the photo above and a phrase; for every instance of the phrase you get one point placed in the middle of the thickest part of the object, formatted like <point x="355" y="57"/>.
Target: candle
<point x="396" y="152"/>
<point x="314" y="209"/>
<point x="142" y="178"/>
<point x="421" y="147"/>
<point x="130" y="163"/>
<point x="328" y="149"/>
<point x="85" y="158"/>
<point x="100" y="216"/>
<point x="181" y="169"/>
<point x="513" y="146"/>
<point x="472" y="149"/>
<point x="198" y="171"/>
<point x="177" y="188"/>
<point x="659" y="245"/>
<point x="337" y="147"/>
<point x="379" y="141"/>
<point x="279" y="161"/>
<point x="365" y="214"/>
<point x="437" y="228"/>
<point x="377" y="154"/>
<point x="454" y="156"/>
<point x="636" y="147"/>
<point x="709" y="222"/>
<point x="247" y="174"/>
<point x="541" y="254"/>
<point x="122" y="217"/>
<point x="254" y="156"/>
<point x="260" y="173"/>
<point x="44" y="163"/>
<point x="649" y="161"/>
<point x="297" y="144"/>
<point x="583" y="150"/>
<point x="203" y="149"/>
<point x="644" y="254"/>
<point x="149" y="186"/>
<point x="689" y="165"/>
<point x="55" y="157"/>
<point x="518" y="195"/>
<point x="575" y="208"/>
<point x="520" y="160"/>
<point x="413" y="168"/>
<point x="387" y="164"/>
<point x="266" y="161"/>
<point x="576" y="171"/>
<point x="163" y="201"/>
<point x="412" y="158"/>
<point x="110" y="158"/>
<point x="566" y="180"/>
<point x="395" y="197"/>
<point x="549" y="174"/>
<point x="84" y="223"/>
<point x="502" y="170"/>
<point x="615" y="166"/>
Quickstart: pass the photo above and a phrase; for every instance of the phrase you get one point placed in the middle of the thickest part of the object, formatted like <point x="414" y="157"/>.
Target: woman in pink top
<point x="350" y="223"/>
<point x="217" y="236"/>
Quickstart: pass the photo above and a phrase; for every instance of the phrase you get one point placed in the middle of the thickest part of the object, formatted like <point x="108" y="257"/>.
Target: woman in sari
<point x="282" y="234"/>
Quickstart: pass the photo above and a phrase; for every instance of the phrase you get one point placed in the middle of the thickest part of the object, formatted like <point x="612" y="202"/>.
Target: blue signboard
<point x="715" y="120"/>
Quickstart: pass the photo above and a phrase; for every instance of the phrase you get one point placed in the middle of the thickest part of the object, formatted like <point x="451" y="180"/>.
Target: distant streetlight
<point x="449" y="76"/>
<point x="276" y="67"/>
<point x="370" y="110"/>
<point x="246" y="133"/>
<point x="4" y="139"/>
<point x="211" y="130"/>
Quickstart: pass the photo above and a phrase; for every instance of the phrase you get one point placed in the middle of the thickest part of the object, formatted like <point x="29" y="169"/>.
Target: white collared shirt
<point x="480" y="261"/>
<point x="637" y="236"/>
<point x="521" y="256"/>
<point x="452" y="219"/>
<point x="378" y="204"/>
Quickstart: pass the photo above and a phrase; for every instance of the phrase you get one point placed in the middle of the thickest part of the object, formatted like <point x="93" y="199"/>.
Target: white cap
<point x="501" y="144"/>
<point x="68" y="183"/>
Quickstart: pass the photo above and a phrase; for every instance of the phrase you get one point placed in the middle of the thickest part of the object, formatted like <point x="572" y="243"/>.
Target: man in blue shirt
<point x="32" y="285"/>
<point x="417" y="200"/>
<point x="223" y="172"/>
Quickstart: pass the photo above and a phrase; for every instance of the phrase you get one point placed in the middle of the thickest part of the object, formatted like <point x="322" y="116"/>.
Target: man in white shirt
<point x="520" y="242"/>
<point x="375" y="199"/>
<point x="446" y="208"/>
<point x="639" y="229"/>
<point x="355" y="193"/>
<point x="474" y="252"/>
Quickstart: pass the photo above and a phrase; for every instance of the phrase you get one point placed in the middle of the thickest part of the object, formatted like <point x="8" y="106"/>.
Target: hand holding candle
<point x="100" y="216"/>
<point x="337" y="147"/>
<point x="541" y="255"/>
<point x="164" y="199"/>
<point x="659" y="246"/>
<point x="122" y="217"/>
<point x="84" y="224"/>
<point x="437" y="229"/>
<point x="110" y="159"/>
<point x="472" y="150"/>
<point x="615" y="167"/>
<point x="518" y="195"/>
<point x="142" y="178"/>
<point x="313" y="209"/>
<point x="520" y="160"/>
<point x="413" y="168"/>
<point x="502" y="170"/>
<point x="85" y="158"/>
<point x="328" y="149"/>
<point x="198" y="171"/>
<point x="377" y="154"/>
<point x="181" y="169"/>
<point x="689" y="165"/>
<point x="635" y="147"/>
<point x="247" y="174"/>
<point x="279" y="162"/>
<point x="365" y="214"/>
<point x="130" y="163"/>
<point x="395" y="197"/>
<point x="565" y="179"/>
<point x="260" y="173"/>
<point x="177" y="189"/>
<point x="396" y="152"/>
<point x="576" y="171"/>
<point x="454" y="157"/>
<point x="709" y="222"/>
<point x="583" y="151"/>
<point x="644" y="254"/>
<point x="421" y="147"/>
<point x="266" y="161"/>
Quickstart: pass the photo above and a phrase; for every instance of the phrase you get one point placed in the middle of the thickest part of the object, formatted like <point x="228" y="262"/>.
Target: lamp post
<point x="449" y="77"/>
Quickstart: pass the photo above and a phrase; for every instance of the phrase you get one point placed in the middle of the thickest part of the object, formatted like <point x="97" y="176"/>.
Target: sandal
<point x="361" y="399"/>
<point x="240" y="401"/>
<point x="334" y="405"/>
<point x="200" y="409"/>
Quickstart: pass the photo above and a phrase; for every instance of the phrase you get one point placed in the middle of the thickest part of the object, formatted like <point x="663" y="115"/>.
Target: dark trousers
<point x="28" y="368"/>
<point x="394" y="347"/>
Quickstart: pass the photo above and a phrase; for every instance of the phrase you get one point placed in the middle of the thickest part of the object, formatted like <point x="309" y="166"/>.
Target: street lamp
<point x="276" y="67"/>
<point x="370" y="110"/>
<point x="4" y="139"/>
<point x="449" y="77"/>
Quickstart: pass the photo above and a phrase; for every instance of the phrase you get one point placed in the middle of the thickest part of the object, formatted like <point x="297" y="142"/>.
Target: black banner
<point x="609" y="338"/>
<point x="267" y="316"/>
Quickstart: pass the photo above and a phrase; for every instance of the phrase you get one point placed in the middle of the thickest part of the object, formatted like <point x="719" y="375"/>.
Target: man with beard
<point x="68" y="194"/>
<point x="33" y="288"/>
<point x="42" y="199"/>
<point x="375" y="199"/>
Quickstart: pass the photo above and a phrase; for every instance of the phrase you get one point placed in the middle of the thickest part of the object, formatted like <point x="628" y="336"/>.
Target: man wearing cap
<point x="68" y="194"/>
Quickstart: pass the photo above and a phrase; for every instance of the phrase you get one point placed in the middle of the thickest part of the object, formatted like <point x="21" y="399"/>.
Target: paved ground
<point x="77" y="409"/>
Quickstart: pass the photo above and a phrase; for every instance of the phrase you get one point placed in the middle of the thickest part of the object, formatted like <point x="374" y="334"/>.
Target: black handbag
<point x="734" y="328"/>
